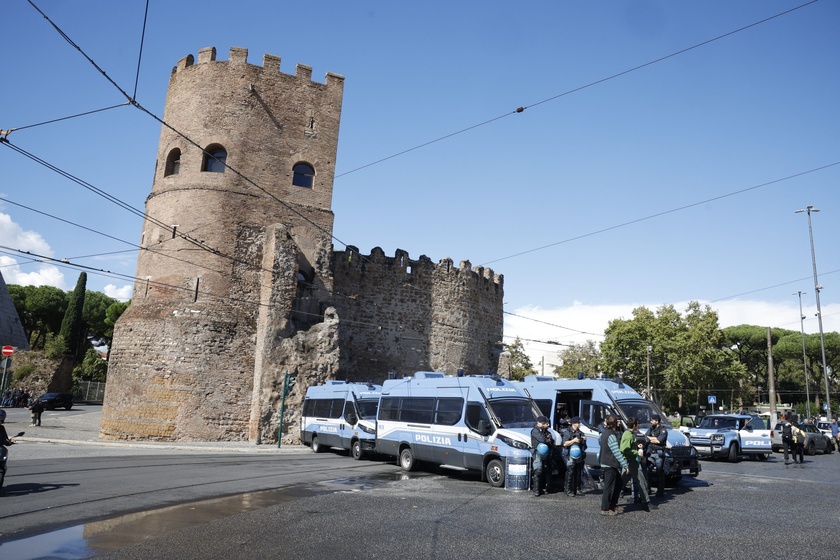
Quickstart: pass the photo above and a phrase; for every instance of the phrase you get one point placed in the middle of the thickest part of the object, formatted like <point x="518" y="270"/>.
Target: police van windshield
<point x="642" y="410"/>
<point x="518" y="413"/>
<point x="367" y="408"/>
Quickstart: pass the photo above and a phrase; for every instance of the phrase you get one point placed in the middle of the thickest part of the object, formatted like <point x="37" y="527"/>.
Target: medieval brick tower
<point x="238" y="283"/>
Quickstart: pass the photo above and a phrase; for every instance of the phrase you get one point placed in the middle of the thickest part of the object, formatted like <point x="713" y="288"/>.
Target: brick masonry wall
<point x="219" y="314"/>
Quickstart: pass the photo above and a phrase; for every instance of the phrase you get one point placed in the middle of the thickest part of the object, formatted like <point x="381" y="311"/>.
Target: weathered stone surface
<point x="239" y="284"/>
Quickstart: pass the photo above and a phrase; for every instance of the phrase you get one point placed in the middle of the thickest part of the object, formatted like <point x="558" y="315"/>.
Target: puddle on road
<point x="100" y="537"/>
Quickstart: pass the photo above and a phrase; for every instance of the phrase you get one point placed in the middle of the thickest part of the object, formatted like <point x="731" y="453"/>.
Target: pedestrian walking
<point x="613" y="466"/>
<point x="35" y="410"/>
<point x="787" y="438"/>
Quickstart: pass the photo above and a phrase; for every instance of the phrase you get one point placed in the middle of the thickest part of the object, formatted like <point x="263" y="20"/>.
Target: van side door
<point x="592" y="415"/>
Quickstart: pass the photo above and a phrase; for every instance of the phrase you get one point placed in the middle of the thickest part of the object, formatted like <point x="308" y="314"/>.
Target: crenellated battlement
<point x="401" y="261"/>
<point x="239" y="57"/>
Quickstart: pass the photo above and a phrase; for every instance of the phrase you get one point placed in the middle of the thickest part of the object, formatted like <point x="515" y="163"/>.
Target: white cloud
<point x="543" y="337"/>
<point x="122" y="294"/>
<point x="15" y="237"/>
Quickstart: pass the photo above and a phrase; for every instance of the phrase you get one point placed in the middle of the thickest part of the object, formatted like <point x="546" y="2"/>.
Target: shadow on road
<point x="30" y="488"/>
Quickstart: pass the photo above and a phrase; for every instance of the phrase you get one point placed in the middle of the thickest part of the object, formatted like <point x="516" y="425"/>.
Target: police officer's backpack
<point x="787" y="433"/>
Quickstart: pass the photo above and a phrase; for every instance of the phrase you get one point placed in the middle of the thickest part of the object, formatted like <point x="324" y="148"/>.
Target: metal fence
<point x="89" y="391"/>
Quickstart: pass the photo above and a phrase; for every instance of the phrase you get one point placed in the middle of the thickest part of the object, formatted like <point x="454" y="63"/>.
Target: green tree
<point x="92" y="368"/>
<point x="520" y="363"/>
<point x="41" y="309"/>
<point x="684" y="354"/>
<point x="578" y="358"/>
<point x="99" y="314"/>
<point x="72" y="326"/>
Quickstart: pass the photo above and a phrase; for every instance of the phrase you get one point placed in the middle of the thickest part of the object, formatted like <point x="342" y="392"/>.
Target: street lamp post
<point x="649" y="348"/>
<point x="808" y="209"/>
<point x="804" y="358"/>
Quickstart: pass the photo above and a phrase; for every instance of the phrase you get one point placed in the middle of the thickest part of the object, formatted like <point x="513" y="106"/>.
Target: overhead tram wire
<point x="107" y="273"/>
<point x="663" y="213"/>
<point x="520" y="109"/>
<point x="550" y="324"/>
<point x="133" y="101"/>
<point x="134" y="245"/>
<point x="579" y="88"/>
<point x="5" y="133"/>
<point x="120" y="203"/>
<point x="140" y="53"/>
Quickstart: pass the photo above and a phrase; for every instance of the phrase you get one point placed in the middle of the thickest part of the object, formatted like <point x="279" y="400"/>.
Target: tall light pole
<point x="649" y="348"/>
<point x="808" y="209"/>
<point x="804" y="358"/>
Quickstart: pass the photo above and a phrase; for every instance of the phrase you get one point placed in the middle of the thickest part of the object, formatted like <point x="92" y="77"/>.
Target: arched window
<point x="303" y="175"/>
<point x="214" y="159"/>
<point x="173" y="163"/>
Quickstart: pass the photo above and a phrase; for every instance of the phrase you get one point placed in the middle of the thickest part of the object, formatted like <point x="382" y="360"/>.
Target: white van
<point x="340" y="414"/>
<point x="473" y="422"/>
<point x="593" y="400"/>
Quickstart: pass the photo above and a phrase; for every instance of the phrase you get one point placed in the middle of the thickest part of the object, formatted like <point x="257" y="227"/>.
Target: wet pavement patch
<point x="99" y="537"/>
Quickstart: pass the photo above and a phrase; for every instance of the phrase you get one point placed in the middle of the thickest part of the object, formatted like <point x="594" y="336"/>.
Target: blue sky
<point x="673" y="182"/>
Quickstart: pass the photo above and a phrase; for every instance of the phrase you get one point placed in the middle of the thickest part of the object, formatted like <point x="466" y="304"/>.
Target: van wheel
<point x="812" y="448"/>
<point x="763" y="456"/>
<point x="733" y="453"/>
<point x="356" y="450"/>
<point x="495" y="473"/>
<point x="316" y="447"/>
<point x="407" y="462"/>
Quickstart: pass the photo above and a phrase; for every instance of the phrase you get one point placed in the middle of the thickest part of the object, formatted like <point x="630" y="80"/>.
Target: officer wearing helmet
<point x="542" y="442"/>
<point x="573" y="446"/>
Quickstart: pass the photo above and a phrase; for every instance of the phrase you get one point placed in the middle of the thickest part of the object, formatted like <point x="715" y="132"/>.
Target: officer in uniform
<point x="657" y="437"/>
<point x="540" y="434"/>
<point x="574" y="465"/>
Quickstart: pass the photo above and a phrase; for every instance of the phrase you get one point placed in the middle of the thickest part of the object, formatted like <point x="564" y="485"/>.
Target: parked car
<point x="825" y="428"/>
<point x="51" y="401"/>
<point x="815" y="440"/>
<point x="732" y="435"/>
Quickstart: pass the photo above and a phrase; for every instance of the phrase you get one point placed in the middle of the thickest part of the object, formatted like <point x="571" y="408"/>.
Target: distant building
<point x="239" y="283"/>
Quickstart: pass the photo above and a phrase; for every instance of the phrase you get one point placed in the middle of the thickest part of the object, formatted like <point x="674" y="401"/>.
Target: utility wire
<point x="580" y="88"/>
<point x="663" y="213"/>
<point x="5" y="133"/>
<point x="140" y="54"/>
<point x="136" y="247"/>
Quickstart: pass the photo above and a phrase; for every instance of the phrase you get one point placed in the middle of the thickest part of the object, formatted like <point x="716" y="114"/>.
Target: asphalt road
<point x="138" y="503"/>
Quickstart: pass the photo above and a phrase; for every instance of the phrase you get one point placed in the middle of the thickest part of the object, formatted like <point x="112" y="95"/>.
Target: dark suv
<point x="51" y="401"/>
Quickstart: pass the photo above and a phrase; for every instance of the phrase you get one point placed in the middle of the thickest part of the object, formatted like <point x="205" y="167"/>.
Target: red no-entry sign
<point x="8" y="351"/>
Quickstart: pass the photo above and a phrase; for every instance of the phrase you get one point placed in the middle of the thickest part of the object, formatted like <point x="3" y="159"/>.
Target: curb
<point x="195" y="446"/>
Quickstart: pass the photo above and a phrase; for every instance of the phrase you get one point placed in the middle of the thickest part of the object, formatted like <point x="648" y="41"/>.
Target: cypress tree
<point x="72" y="326"/>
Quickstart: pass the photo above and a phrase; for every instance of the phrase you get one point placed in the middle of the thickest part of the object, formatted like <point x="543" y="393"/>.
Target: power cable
<point x="580" y="88"/>
<point x="136" y="247"/>
<point x="664" y="212"/>
<point x="140" y="53"/>
<point x="5" y="133"/>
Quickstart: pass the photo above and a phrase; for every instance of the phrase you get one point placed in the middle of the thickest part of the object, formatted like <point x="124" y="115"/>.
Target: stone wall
<point x="400" y="315"/>
<point x="238" y="283"/>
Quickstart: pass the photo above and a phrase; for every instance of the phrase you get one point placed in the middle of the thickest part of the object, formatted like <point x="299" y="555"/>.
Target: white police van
<point x="593" y="400"/>
<point x="340" y="414"/>
<point x="469" y="422"/>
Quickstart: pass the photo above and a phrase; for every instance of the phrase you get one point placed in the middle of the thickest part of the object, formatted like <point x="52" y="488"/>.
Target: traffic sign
<point x="8" y="350"/>
<point x="712" y="399"/>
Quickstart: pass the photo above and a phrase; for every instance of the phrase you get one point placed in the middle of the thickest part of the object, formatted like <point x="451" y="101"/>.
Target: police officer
<point x="541" y="435"/>
<point x="572" y="436"/>
<point x="657" y="437"/>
